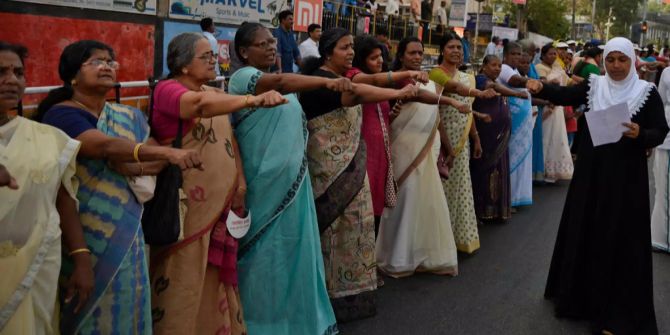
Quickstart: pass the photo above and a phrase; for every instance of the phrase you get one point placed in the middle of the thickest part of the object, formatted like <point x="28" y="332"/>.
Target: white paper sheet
<point x="606" y="126"/>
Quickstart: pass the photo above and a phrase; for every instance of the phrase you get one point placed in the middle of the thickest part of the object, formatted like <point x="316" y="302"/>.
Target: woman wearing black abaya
<point x="601" y="269"/>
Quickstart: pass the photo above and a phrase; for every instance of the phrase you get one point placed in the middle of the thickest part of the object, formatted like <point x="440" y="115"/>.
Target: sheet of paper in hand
<point x="606" y="125"/>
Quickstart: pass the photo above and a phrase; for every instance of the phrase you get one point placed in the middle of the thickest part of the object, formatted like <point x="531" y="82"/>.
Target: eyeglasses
<point x="114" y="65"/>
<point x="266" y="44"/>
<point x="208" y="57"/>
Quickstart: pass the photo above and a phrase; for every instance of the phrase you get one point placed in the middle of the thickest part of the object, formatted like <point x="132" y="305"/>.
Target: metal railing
<point x="355" y="19"/>
<point x="118" y="98"/>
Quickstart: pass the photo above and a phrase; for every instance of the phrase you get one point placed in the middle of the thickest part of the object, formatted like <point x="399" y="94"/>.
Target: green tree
<point x="658" y="7"/>
<point x="546" y="17"/>
<point x="625" y="11"/>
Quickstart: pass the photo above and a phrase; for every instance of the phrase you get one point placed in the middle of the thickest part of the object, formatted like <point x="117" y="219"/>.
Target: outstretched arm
<point x="362" y="94"/>
<point x="508" y="92"/>
<point x="574" y="95"/>
<point x="290" y="83"/>
<point x="388" y="79"/>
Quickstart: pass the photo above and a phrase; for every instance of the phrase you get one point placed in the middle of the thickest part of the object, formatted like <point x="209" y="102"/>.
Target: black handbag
<point x="162" y="220"/>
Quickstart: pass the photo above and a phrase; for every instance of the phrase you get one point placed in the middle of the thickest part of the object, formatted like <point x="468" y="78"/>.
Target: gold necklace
<point x="86" y="108"/>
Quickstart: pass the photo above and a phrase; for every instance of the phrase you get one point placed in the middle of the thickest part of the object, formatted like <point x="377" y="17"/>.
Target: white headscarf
<point x="606" y="92"/>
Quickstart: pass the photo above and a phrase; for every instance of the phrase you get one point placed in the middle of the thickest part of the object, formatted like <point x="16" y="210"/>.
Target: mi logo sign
<point x="307" y="12"/>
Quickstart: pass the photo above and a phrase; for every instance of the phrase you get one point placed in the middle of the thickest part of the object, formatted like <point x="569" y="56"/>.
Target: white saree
<point x="416" y="235"/>
<point x="40" y="158"/>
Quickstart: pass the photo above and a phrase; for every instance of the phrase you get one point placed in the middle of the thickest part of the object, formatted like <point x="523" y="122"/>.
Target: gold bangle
<point x="136" y="152"/>
<point x="79" y="251"/>
<point x="469" y="91"/>
<point x="246" y="100"/>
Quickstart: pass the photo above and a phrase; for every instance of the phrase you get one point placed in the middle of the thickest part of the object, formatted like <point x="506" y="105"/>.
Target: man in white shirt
<point x="442" y="14"/>
<point x="310" y="46"/>
<point x="208" y="29"/>
<point x="509" y="75"/>
<point x="491" y="47"/>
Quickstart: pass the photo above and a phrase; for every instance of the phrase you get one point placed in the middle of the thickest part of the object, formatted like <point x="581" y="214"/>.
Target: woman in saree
<point x="660" y="217"/>
<point x="38" y="208"/>
<point x="460" y="129"/>
<point x="557" y="158"/>
<point x="601" y="269"/>
<point x="283" y="241"/>
<point x="336" y="155"/>
<point x="521" y="138"/>
<point x="110" y="135"/>
<point x="416" y="235"/>
<point x="367" y="69"/>
<point x="490" y="174"/>
<point x="194" y="281"/>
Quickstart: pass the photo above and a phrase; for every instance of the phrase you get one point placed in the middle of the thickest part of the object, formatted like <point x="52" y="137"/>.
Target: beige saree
<point x="458" y="187"/>
<point x="416" y="235"/>
<point x="41" y="158"/>
<point x="336" y="155"/>
<point x="189" y="294"/>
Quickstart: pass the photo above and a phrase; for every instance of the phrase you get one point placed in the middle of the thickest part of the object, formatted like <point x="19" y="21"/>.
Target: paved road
<point x="499" y="289"/>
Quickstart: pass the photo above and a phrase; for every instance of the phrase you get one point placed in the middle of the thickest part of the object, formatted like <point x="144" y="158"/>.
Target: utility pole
<point x="644" y="19"/>
<point x="593" y="20"/>
<point x="474" y="49"/>
<point x="574" y="27"/>
<point x="608" y="25"/>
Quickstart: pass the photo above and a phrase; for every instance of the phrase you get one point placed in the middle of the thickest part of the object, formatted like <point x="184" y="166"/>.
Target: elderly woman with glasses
<point x="194" y="281"/>
<point x="113" y="145"/>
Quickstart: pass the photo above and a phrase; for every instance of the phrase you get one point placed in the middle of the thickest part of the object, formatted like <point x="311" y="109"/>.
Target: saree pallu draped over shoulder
<point x="190" y="294"/>
<point x="458" y="187"/>
<point x="490" y="174"/>
<point x="283" y="240"/>
<point x="110" y="215"/>
<point x="416" y="235"/>
<point x="558" y="163"/>
<point x="336" y="156"/>
<point x="520" y="152"/>
<point x="41" y="159"/>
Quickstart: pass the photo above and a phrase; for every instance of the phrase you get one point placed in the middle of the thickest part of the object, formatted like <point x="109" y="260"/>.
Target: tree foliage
<point x="546" y="17"/>
<point x="625" y="12"/>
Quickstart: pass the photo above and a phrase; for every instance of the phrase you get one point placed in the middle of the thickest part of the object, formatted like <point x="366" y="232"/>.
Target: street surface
<point x="499" y="289"/>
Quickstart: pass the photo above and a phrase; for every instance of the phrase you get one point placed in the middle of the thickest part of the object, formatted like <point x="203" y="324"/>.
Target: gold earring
<point x="73" y="82"/>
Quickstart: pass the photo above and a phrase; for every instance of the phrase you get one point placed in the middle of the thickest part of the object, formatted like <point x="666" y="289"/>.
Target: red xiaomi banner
<point x="307" y="12"/>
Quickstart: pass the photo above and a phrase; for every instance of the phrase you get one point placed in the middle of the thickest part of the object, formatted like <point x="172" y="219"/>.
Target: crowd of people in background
<point x="359" y="167"/>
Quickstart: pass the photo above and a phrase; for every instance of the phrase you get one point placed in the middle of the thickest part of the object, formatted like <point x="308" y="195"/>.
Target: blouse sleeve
<point x="72" y="121"/>
<point x="165" y="119"/>
<point x="320" y="101"/>
<point x="654" y="126"/>
<point x="481" y="81"/>
<point x="244" y="81"/>
<point x="565" y="95"/>
<point x="352" y="73"/>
